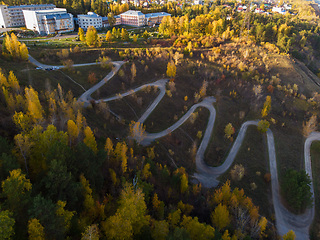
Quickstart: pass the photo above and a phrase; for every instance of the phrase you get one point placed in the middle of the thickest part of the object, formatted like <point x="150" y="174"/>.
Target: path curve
<point x="208" y="176"/>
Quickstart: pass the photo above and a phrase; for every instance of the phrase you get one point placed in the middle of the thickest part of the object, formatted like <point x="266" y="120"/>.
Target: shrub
<point x="237" y="172"/>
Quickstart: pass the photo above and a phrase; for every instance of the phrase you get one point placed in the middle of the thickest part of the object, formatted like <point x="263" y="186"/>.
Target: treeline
<point x="59" y="181"/>
<point x="288" y="33"/>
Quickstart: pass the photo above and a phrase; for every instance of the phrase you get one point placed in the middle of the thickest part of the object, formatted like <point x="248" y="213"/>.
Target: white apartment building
<point x="90" y="19"/>
<point x="52" y="21"/>
<point x="12" y="16"/>
<point x="133" y="18"/>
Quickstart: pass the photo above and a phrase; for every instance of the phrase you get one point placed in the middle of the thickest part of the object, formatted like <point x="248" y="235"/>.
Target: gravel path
<point x="206" y="175"/>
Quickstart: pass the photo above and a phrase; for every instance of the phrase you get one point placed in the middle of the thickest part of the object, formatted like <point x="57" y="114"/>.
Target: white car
<point x="38" y="68"/>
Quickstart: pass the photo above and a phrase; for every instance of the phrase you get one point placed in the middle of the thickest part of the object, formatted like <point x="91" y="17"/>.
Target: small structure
<point x="90" y="19"/>
<point x="52" y="21"/>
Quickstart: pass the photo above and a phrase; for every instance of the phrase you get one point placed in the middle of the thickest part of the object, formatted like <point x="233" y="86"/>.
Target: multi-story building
<point x="133" y="18"/>
<point x="52" y="21"/>
<point x="4" y="16"/>
<point x="155" y="18"/>
<point x="90" y="19"/>
<point x="12" y="16"/>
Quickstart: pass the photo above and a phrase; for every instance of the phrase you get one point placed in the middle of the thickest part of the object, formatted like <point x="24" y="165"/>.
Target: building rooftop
<point x="58" y="16"/>
<point x="55" y="10"/>
<point x="158" y="14"/>
<point x="33" y="5"/>
<point x="133" y="13"/>
<point x="89" y="14"/>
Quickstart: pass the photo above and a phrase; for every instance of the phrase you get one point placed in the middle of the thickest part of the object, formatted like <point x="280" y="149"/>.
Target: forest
<point x="75" y="172"/>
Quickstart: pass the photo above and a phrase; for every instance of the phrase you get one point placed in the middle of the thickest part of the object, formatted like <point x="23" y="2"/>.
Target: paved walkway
<point x="208" y="176"/>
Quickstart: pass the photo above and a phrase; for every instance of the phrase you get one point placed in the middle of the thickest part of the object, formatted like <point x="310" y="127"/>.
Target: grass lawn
<point x="315" y="157"/>
<point x="174" y="149"/>
<point x="253" y="156"/>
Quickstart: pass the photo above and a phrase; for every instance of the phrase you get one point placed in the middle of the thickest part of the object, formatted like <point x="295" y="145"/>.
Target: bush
<point x="237" y="172"/>
<point x="296" y="189"/>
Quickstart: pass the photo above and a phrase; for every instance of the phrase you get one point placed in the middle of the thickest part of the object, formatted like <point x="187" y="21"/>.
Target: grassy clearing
<point x="122" y="81"/>
<point x="175" y="148"/>
<point x="315" y="157"/>
<point x="253" y="156"/>
<point x="80" y="74"/>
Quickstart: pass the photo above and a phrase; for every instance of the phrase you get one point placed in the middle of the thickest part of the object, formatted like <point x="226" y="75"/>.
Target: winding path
<point x="208" y="176"/>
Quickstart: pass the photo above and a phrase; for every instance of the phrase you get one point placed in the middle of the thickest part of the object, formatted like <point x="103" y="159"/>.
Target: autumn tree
<point x="92" y="36"/>
<point x="108" y="147"/>
<point x="24" y="144"/>
<point x="133" y="72"/>
<point x="137" y="131"/>
<point x="309" y="126"/>
<point x="124" y="34"/>
<point x="220" y="217"/>
<point x="89" y="139"/>
<point x="35" y="230"/>
<point x="109" y="36"/>
<point x="92" y="78"/>
<point x="6" y="225"/>
<point x="135" y="38"/>
<point x="12" y="48"/>
<point x="111" y="19"/>
<point x="105" y="62"/>
<point x="130" y="217"/>
<point x="81" y="35"/>
<point x="184" y="183"/>
<point x="160" y="230"/>
<point x="16" y="189"/>
<point x="203" y="89"/>
<point x="266" y="107"/>
<point x="229" y="131"/>
<point x="146" y="35"/>
<point x="289" y="235"/>
<point x="263" y="126"/>
<point x="65" y="214"/>
<point x="171" y="69"/>
<point x="73" y="131"/>
<point x="196" y="229"/>
<point x="91" y="233"/>
<point x="34" y="107"/>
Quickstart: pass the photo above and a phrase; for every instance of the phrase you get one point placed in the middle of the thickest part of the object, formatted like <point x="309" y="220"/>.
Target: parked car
<point x="39" y="68"/>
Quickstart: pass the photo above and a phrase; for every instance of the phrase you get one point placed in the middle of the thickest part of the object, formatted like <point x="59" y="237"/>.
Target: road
<point x="44" y="66"/>
<point x="207" y="175"/>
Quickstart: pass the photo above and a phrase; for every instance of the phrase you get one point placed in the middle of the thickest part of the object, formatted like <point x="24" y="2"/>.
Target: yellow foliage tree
<point x="137" y="131"/>
<point x="220" y="217"/>
<point x="73" y="131"/>
<point x="92" y="36"/>
<point x="171" y="69"/>
<point x="108" y="36"/>
<point x="14" y="49"/>
<point x="35" y="230"/>
<point x="65" y="214"/>
<point x="89" y="139"/>
<point x="130" y="216"/>
<point x="34" y="108"/>
<point x="160" y="230"/>
<point x="184" y="183"/>
<point x="266" y="107"/>
<point x="196" y="229"/>
<point x="289" y="235"/>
